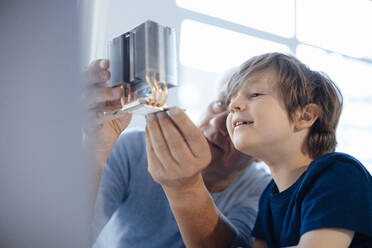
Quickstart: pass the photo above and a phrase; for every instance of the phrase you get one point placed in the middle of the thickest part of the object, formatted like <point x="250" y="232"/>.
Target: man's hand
<point x="176" y="149"/>
<point x="177" y="152"/>
<point x="102" y="130"/>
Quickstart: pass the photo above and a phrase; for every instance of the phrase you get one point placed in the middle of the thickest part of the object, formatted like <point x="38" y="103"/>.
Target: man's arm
<point x="200" y="222"/>
<point x="114" y="185"/>
<point x="177" y="152"/>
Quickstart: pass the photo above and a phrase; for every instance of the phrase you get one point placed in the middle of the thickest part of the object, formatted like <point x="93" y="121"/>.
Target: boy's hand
<point x="102" y="130"/>
<point x="176" y="149"/>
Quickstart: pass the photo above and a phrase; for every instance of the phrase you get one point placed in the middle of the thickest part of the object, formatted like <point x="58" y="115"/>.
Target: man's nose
<point x="219" y="122"/>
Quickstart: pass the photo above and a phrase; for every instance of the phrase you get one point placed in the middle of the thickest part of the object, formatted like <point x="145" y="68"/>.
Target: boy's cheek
<point x="229" y="127"/>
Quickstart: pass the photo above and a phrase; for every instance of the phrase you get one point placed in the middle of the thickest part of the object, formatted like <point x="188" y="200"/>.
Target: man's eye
<point x="219" y="105"/>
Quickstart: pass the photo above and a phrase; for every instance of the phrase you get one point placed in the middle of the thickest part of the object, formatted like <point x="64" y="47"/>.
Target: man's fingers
<point x="158" y="142"/>
<point x="96" y="95"/>
<point x="99" y="64"/>
<point x="104" y="64"/>
<point x="96" y="76"/>
<point x="194" y="138"/>
<point x="171" y="163"/>
<point x="124" y="119"/>
<point x="175" y="141"/>
<point x="118" y="125"/>
<point x="155" y="167"/>
<point x="97" y="117"/>
<point x="97" y="72"/>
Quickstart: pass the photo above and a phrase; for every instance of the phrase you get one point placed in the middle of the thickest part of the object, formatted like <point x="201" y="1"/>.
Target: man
<point x="132" y="210"/>
<point x="286" y="115"/>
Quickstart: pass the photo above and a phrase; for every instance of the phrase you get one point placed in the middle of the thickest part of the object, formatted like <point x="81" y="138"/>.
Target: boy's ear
<point x="306" y="117"/>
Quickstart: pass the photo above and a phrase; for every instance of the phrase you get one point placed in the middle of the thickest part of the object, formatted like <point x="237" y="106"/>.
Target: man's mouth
<point x="214" y="145"/>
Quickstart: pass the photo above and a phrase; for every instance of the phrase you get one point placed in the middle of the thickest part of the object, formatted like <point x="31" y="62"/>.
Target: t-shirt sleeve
<point x="114" y="184"/>
<point x="242" y="215"/>
<point x="340" y="196"/>
<point x="242" y="219"/>
<point x="258" y="230"/>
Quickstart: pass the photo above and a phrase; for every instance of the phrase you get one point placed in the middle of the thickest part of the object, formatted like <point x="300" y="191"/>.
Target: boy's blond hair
<point x="298" y="86"/>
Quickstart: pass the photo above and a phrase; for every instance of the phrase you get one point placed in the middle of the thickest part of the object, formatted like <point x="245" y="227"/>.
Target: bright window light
<point x="339" y="25"/>
<point x="354" y="80"/>
<point x="352" y="76"/>
<point x="215" y="49"/>
<point x="272" y="16"/>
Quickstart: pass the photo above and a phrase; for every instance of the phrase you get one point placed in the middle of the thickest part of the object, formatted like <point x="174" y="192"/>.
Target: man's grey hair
<point x="223" y="80"/>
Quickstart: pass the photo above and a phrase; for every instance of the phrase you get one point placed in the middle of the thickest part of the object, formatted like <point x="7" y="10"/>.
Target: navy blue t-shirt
<point x="334" y="192"/>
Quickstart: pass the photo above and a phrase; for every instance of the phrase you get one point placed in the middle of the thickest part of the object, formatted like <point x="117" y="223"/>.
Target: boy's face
<point x="258" y="122"/>
<point x="213" y="126"/>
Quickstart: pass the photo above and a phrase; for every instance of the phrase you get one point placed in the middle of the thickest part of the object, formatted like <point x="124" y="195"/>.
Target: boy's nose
<point x="237" y="104"/>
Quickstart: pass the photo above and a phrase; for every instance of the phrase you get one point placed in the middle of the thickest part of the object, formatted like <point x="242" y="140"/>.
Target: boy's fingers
<point x="194" y="138"/>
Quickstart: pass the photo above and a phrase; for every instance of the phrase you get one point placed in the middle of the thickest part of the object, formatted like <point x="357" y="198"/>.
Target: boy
<point x="286" y="115"/>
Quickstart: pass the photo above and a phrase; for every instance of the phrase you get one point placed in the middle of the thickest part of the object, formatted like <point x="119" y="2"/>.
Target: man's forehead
<point x="222" y="94"/>
<point x="222" y="90"/>
<point x="223" y="82"/>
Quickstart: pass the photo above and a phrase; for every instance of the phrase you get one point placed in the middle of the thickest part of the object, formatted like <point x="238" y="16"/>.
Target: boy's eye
<point x="255" y="95"/>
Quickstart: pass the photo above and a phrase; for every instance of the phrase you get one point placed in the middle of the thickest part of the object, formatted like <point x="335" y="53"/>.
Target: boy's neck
<point x="287" y="170"/>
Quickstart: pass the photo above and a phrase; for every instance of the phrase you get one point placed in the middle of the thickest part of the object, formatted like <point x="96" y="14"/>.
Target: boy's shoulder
<point x="334" y="191"/>
<point x="336" y="168"/>
<point x="335" y="187"/>
<point x="335" y="157"/>
<point x="332" y="173"/>
<point x="334" y="179"/>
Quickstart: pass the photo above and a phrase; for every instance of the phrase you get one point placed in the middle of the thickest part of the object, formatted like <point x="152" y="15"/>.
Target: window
<point x="272" y="16"/>
<point x="212" y="50"/>
<point x="338" y="25"/>
<point x="215" y="49"/>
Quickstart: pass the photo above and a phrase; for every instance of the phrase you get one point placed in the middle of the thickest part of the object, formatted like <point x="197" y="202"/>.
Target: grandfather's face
<point x="213" y="126"/>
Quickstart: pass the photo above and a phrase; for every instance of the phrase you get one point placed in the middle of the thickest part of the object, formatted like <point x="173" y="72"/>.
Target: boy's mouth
<point x="241" y="123"/>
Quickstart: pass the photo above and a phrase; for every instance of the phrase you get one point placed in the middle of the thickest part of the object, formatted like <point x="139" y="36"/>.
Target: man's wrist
<point x="195" y="189"/>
